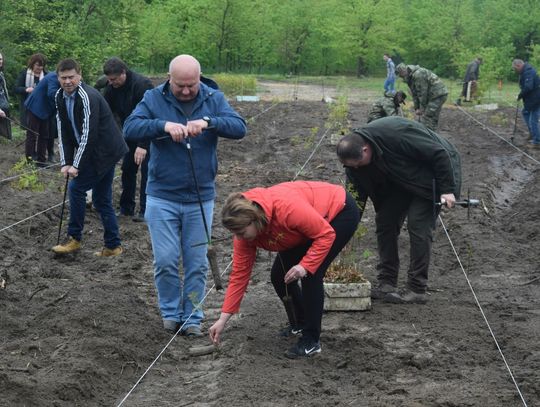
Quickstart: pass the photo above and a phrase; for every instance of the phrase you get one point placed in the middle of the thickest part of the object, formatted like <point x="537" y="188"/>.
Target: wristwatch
<point x="208" y="120"/>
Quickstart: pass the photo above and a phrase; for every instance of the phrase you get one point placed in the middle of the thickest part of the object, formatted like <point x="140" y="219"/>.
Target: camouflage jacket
<point x="383" y="107"/>
<point x="425" y="86"/>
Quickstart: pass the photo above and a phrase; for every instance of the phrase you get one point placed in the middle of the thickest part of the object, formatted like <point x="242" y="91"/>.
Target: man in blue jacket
<point x="91" y="144"/>
<point x="40" y="113"/>
<point x="180" y="114"/>
<point x="529" y="83"/>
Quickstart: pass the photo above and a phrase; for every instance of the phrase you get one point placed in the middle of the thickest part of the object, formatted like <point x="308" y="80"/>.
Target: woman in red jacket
<point x="307" y="223"/>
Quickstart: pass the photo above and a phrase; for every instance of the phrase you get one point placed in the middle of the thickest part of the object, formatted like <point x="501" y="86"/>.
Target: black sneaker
<point x="289" y="332"/>
<point x="304" y="348"/>
<point x="138" y="218"/>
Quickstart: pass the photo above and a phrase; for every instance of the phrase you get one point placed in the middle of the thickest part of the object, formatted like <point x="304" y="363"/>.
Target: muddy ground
<point x="81" y="331"/>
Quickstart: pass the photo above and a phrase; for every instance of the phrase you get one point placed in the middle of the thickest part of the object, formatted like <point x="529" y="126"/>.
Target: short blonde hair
<point x="239" y="212"/>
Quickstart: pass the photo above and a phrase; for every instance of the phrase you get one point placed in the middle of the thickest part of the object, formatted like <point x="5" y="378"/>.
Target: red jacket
<point x="296" y="212"/>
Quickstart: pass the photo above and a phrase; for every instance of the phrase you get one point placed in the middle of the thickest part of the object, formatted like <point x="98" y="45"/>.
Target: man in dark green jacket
<point x="396" y="163"/>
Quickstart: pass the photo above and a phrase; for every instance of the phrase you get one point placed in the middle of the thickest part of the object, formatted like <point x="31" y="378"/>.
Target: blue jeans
<point x="101" y="199"/>
<point x="178" y="229"/>
<point x="389" y="84"/>
<point x="531" y="119"/>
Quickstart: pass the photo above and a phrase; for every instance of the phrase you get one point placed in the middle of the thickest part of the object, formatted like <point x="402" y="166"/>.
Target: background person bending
<point x="388" y="105"/>
<point x="428" y="91"/>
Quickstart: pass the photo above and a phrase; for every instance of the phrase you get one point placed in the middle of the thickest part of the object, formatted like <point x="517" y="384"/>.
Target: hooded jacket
<point x="297" y="212"/>
<point x="408" y="154"/>
<point x="169" y="169"/>
<point x="101" y="144"/>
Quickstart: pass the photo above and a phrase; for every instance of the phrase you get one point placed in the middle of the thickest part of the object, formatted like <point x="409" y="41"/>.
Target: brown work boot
<point x="106" y="252"/>
<point x="72" y="245"/>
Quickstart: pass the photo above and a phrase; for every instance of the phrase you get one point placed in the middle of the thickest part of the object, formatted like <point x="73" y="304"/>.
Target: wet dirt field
<point x="81" y="331"/>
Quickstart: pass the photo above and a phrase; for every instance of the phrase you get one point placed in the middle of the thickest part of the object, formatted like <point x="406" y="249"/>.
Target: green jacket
<point x="425" y="86"/>
<point x="407" y="154"/>
<point x="383" y="107"/>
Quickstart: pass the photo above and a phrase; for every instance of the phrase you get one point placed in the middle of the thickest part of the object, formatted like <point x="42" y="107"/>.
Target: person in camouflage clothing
<point x="428" y="92"/>
<point x="389" y="105"/>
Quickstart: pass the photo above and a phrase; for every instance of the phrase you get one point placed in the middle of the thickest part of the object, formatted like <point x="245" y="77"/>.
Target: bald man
<point x="182" y="113"/>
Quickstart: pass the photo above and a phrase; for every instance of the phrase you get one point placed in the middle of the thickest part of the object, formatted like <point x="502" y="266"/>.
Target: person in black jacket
<point x="397" y="163"/>
<point x="529" y="83"/>
<point x="125" y="89"/>
<point x="469" y="81"/>
<point x="90" y="146"/>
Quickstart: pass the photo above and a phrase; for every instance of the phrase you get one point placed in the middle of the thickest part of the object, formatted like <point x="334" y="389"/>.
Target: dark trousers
<point x="53" y="134"/>
<point x="101" y="187"/>
<point x="129" y="182"/>
<point x="308" y="299"/>
<point x="391" y="214"/>
<point x="5" y="127"/>
<point x="38" y="133"/>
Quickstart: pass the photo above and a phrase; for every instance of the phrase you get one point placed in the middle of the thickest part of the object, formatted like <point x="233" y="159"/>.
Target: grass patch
<point x="502" y="93"/>
<point x="236" y="85"/>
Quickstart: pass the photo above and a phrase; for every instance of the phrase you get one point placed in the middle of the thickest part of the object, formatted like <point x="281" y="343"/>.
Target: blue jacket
<point x="169" y="169"/>
<point x="41" y="101"/>
<point x="529" y="84"/>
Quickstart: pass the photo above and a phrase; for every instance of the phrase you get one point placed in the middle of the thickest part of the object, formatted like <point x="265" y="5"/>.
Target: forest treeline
<point x="307" y="37"/>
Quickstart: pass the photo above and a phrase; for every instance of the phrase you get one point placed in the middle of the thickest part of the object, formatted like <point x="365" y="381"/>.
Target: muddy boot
<point x="106" y="252"/>
<point x="72" y="245"/>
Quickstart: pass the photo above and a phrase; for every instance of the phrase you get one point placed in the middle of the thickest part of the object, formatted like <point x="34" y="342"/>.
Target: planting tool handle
<point x="62" y="211"/>
<point x="466" y="203"/>
<point x="214" y="268"/>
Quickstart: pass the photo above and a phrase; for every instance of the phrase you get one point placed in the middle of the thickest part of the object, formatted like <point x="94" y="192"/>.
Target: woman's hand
<point x="295" y="273"/>
<point x="218" y="327"/>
